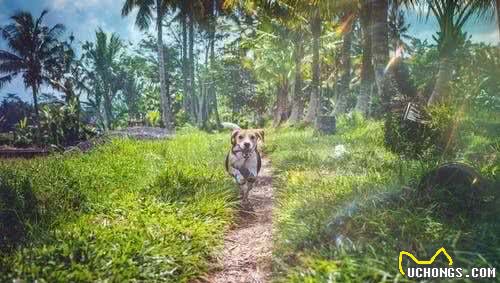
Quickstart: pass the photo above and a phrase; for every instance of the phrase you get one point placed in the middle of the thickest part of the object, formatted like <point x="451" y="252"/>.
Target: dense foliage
<point x="346" y="203"/>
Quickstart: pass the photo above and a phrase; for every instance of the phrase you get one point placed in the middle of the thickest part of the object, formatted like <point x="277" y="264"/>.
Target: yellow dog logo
<point x="423" y="262"/>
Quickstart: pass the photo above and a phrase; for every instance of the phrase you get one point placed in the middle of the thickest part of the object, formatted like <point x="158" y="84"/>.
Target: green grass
<point x="129" y="210"/>
<point x="345" y="219"/>
<point x="156" y="211"/>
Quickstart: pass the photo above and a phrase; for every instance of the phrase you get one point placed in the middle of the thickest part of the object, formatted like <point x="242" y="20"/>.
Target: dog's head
<point x="246" y="139"/>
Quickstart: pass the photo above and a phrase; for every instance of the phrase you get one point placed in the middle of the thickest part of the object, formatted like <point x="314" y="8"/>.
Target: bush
<point x="12" y="110"/>
<point x="413" y="139"/>
<point x="24" y="133"/>
<point x="153" y="118"/>
<point x="6" y="138"/>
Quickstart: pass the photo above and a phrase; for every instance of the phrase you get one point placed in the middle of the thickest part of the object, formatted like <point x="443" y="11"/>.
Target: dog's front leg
<point x="244" y="193"/>
<point x="238" y="177"/>
<point x="252" y="176"/>
<point x="247" y="191"/>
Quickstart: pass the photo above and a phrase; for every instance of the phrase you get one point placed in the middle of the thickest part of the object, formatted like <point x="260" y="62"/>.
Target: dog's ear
<point x="233" y="136"/>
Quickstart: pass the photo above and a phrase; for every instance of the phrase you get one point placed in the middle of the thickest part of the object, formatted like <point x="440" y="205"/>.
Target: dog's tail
<point x="229" y="125"/>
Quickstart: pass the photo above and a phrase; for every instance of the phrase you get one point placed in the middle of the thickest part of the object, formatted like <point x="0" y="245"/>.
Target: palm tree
<point x="380" y="42"/>
<point x="451" y="16"/>
<point x="273" y="59"/>
<point x="497" y="4"/>
<point x="208" y="22"/>
<point x="363" y="101"/>
<point x="298" y="97"/>
<point x="102" y="59"/>
<point x="146" y="9"/>
<point x="199" y="15"/>
<point x="316" y="12"/>
<point x="313" y="12"/>
<point x="343" y="85"/>
<point x="398" y="30"/>
<point x="34" y="52"/>
<point x="314" y="100"/>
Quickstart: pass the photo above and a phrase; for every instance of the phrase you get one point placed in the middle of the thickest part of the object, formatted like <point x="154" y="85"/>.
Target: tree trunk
<point x="281" y="113"/>
<point x="345" y="71"/>
<point x="78" y="115"/>
<point x="38" y="132"/>
<point x="442" y="86"/>
<point x="363" y="101"/>
<point x="498" y="19"/>
<point x="200" y="119"/>
<point x="73" y="123"/>
<point x="34" y="88"/>
<point x="298" y="101"/>
<point x="212" y="92"/>
<point x="186" y="100"/>
<point x="314" y="101"/>
<point x="164" y="93"/>
<point x="108" y="109"/>
<point x="191" y="63"/>
<point x="380" y="44"/>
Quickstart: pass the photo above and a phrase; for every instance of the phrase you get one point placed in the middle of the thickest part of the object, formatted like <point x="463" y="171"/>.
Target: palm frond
<point x="40" y="19"/>
<point x="8" y="56"/>
<point x="128" y="6"/>
<point x="6" y="79"/>
<point x="8" y="67"/>
<point x="145" y="14"/>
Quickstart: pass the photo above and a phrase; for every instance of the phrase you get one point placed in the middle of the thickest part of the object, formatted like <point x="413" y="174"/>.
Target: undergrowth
<point x="127" y="211"/>
<point x="346" y="206"/>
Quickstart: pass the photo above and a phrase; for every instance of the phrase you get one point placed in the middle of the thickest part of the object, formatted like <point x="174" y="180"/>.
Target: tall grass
<point x="345" y="218"/>
<point x="128" y="211"/>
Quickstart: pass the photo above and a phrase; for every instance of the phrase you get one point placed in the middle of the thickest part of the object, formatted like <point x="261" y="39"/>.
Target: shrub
<point x="413" y="139"/>
<point x="153" y="118"/>
<point x="24" y="133"/>
<point x="12" y="110"/>
<point x="6" y="138"/>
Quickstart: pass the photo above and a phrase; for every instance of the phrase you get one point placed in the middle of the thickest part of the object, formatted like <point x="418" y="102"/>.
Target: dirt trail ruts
<point x="246" y="257"/>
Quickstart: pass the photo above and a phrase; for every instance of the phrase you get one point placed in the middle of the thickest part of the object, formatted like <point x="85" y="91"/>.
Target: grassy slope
<point x="346" y="219"/>
<point x="149" y="211"/>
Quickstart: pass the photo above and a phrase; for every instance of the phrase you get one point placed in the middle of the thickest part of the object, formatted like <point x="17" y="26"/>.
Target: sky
<point x="80" y="17"/>
<point x="83" y="17"/>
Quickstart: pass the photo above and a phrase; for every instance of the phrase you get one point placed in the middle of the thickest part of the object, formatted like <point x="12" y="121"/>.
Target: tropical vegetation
<point x="346" y="202"/>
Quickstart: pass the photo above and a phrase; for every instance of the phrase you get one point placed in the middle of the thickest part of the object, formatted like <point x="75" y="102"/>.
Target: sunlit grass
<point x="145" y="211"/>
<point x="345" y="219"/>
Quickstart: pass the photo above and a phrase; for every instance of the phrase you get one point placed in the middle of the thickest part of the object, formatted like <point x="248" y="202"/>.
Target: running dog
<point x="243" y="161"/>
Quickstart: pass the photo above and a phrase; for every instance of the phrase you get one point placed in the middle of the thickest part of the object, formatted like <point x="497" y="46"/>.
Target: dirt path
<point x="246" y="257"/>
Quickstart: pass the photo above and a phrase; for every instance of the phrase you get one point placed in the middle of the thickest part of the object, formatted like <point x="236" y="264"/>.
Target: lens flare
<point x="397" y="54"/>
<point x="346" y="24"/>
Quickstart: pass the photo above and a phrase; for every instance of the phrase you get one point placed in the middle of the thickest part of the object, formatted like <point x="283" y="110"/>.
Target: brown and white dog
<point x="243" y="161"/>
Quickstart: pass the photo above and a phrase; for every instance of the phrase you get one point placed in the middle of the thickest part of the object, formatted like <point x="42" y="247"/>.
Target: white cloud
<point x="85" y="4"/>
<point x="78" y="4"/>
<point x="486" y="37"/>
<point x="133" y="33"/>
<point x="58" y="5"/>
